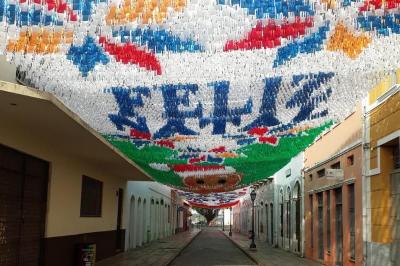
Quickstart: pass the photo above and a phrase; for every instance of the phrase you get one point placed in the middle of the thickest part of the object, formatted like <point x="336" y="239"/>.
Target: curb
<point x="183" y="248"/>
<point x="247" y="253"/>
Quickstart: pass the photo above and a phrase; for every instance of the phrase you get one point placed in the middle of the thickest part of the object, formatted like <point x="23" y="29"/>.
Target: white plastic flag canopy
<point x="206" y="96"/>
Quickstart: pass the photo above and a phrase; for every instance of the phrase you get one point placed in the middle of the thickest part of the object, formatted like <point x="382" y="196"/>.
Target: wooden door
<point x="23" y="200"/>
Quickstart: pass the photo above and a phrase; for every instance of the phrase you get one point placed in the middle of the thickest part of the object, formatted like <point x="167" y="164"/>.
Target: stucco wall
<point x="338" y="138"/>
<point x="64" y="190"/>
<point x="146" y="221"/>
<point x="285" y="186"/>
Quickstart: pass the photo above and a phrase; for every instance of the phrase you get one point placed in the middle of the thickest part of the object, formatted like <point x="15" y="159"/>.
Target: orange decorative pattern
<point x="346" y="41"/>
<point x="143" y="11"/>
<point x="40" y="42"/>
<point x="331" y="4"/>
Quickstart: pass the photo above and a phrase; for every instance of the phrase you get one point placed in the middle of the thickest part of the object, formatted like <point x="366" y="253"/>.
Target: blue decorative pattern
<point x="309" y="44"/>
<point x="2" y="8"/>
<point x="382" y="25"/>
<point x="303" y="98"/>
<point x="267" y="110"/>
<point x="87" y="56"/>
<point x="158" y="41"/>
<point x="271" y="9"/>
<point x="127" y="108"/>
<point x="222" y="114"/>
<point x="176" y="118"/>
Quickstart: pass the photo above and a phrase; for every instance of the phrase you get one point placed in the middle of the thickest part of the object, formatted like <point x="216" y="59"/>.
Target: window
<point x="288" y="172"/>
<point x="310" y="177"/>
<point x="352" y="218"/>
<point x="320" y="226"/>
<point x="321" y="173"/>
<point x="169" y="214"/>
<point x="350" y="160"/>
<point x="328" y="221"/>
<point x="91" y="197"/>
<point x="335" y="165"/>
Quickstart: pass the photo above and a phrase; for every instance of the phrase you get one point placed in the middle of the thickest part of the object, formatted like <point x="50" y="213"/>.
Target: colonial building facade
<point x="278" y="209"/>
<point x="382" y="170"/>
<point x="333" y="195"/>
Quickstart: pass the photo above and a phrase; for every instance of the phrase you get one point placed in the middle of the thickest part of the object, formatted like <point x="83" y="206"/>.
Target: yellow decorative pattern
<point x="41" y="41"/>
<point x="344" y="40"/>
<point x="143" y="11"/>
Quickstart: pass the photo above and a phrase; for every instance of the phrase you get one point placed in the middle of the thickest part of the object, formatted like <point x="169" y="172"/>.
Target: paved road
<point x="211" y="247"/>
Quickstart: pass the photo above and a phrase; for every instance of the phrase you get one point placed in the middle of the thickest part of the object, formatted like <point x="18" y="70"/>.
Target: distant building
<point x="278" y="209"/>
<point x="382" y="169"/>
<point x="333" y="195"/>
<point x="154" y="213"/>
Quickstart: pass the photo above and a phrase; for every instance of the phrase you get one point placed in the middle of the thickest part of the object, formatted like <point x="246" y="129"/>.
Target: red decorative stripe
<point x="258" y="131"/>
<point x="140" y="135"/>
<point x="222" y="206"/>
<point x="269" y="36"/>
<point x="272" y="140"/>
<point x="194" y="167"/>
<point x="377" y="4"/>
<point x="197" y="160"/>
<point x="165" y="143"/>
<point x="218" y="149"/>
<point x="59" y="5"/>
<point x="370" y="5"/>
<point x="129" y="53"/>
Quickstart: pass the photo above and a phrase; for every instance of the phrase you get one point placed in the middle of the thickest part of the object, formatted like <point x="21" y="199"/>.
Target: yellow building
<point x="382" y="173"/>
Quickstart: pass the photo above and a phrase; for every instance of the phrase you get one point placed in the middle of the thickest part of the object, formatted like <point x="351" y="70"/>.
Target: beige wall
<point x="64" y="193"/>
<point x="7" y="70"/>
<point x="343" y="135"/>
<point x="64" y="199"/>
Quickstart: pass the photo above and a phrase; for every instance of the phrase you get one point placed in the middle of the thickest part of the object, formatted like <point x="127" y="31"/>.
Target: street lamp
<point x="230" y="222"/>
<point x="253" y="198"/>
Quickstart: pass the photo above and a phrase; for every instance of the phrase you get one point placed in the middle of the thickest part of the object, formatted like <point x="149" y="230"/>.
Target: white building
<point x="155" y="212"/>
<point x="278" y="209"/>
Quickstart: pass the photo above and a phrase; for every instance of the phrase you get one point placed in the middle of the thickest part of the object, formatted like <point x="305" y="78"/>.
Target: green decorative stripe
<point x="257" y="161"/>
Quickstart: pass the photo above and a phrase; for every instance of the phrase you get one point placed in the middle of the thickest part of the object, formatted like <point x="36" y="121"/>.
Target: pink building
<point x="333" y="195"/>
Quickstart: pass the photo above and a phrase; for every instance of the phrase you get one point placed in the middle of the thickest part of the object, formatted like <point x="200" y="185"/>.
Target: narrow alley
<point x="211" y="247"/>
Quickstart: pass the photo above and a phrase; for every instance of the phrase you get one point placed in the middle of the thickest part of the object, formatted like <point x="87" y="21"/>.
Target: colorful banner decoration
<point x="205" y="96"/>
<point x="214" y="200"/>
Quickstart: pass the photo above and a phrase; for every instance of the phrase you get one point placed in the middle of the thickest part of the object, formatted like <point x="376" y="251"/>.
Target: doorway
<point x="132" y="227"/>
<point x="396" y="199"/>
<point x="272" y="223"/>
<point x="118" y="245"/>
<point x="297" y="198"/>
<point x="339" y="227"/>
<point x="23" y="201"/>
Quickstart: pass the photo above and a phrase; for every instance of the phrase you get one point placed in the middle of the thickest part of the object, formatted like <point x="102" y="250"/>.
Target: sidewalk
<point x="159" y="252"/>
<point x="266" y="255"/>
